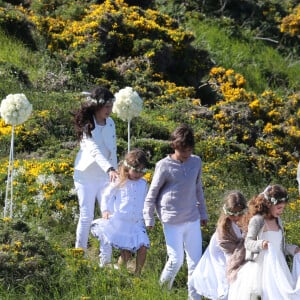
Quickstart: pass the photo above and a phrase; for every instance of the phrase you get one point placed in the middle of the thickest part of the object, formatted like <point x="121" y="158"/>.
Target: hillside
<point x="231" y="71"/>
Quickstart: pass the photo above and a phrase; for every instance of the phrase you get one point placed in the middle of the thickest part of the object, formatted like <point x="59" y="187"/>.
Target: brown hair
<point x="234" y="202"/>
<point x="182" y="137"/>
<point x="261" y="203"/>
<point x="136" y="158"/>
<point x="84" y="117"/>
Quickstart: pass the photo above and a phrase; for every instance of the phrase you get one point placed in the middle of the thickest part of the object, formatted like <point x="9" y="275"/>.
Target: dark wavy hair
<point x="84" y="117"/>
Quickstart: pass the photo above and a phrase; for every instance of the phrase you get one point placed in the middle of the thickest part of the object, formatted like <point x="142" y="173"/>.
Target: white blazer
<point x="101" y="148"/>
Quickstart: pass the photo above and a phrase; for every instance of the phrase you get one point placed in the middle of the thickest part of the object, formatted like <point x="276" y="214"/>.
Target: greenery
<point x="230" y="69"/>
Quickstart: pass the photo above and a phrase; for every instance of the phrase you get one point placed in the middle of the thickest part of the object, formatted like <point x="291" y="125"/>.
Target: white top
<point x="97" y="153"/>
<point x="127" y="201"/>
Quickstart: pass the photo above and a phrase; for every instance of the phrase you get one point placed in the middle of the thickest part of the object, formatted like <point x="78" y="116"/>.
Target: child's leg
<point x="124" y="258"/>
<point x="193" y="249"/>
<point x="174" y="241"/>
<point x="105" y="254"/>
<point x="140" y="260"/>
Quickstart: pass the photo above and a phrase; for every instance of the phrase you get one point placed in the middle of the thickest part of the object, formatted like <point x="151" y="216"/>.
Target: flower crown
<point x="96" y="101"/>
<point x="126" y="164"/>
<point x="273" y="200"/>
<point x="235" y="214"/>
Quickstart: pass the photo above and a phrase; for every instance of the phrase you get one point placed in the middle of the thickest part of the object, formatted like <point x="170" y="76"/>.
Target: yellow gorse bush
<point x="124" y="20"/>
<point x="291" y="23"/>
<point x="267" y="121"/>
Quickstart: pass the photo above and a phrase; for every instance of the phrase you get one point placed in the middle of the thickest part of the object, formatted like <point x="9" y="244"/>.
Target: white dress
<point x="268" y="276"/>
<point x="125" y="229"/>
<point x="209" y="277"/>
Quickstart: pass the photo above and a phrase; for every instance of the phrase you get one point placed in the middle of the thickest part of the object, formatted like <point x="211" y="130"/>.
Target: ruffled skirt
<point x="121" y="234"/>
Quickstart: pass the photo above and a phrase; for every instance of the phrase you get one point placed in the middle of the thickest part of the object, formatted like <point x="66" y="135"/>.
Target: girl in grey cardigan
<point x="266" y="274"/>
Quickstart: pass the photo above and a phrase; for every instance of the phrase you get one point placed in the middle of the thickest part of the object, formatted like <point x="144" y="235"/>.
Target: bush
<point x="27" y="259"/>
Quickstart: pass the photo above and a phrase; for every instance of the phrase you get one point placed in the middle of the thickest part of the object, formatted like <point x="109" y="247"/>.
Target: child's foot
<point x="104" y="264"/>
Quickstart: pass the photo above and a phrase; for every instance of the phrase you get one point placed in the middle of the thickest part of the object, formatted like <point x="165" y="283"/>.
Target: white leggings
<point x="180" y="238"/>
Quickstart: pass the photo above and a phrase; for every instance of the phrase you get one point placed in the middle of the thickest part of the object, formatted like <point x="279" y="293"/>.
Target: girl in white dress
<point x="209" y="278"/>
<point x="266" y="275"/>
<point x="122" y="225"/>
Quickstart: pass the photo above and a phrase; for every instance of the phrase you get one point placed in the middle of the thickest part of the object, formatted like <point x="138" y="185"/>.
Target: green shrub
<point x="27" y="259"/>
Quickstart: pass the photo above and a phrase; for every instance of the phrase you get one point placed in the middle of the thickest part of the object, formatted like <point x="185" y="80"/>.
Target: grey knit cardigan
<point x="254" y="241"/>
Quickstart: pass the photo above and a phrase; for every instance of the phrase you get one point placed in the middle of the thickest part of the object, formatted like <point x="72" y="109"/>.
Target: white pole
<point x="9" y="182"/>
<point x="128" y="130"/>
<point x="12" y="172"/>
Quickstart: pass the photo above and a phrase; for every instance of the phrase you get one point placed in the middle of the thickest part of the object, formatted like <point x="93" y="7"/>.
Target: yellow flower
<point x="77" y="252"/>
<point x="268" y="128"/>
<point x="148" y="177"/>
<point x="292" y="205"/>
<point x="18" y="244"/>
<point x="196" y="102"/>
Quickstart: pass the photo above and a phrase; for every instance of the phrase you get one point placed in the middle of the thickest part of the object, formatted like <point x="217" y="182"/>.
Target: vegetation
<point x="230" y="69"/>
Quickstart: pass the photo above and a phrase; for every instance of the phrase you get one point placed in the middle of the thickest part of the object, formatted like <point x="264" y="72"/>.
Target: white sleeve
<point x="96" y="153"/>
<point x="108" y="198"/>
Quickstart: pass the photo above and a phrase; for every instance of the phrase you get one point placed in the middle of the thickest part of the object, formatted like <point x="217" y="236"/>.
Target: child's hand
<point x="113" y="175"/>
<point x="203" y="223"/>
<point x="265" y="244"/>
<point x="106" y="214"/>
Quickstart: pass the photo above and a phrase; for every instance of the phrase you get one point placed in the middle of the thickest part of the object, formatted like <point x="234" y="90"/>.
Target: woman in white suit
<point x="96" y="161"/>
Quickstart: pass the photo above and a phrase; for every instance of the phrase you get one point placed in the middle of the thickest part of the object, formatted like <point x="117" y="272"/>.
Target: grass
<point x="17" y="54"/>
<point x="261" y="64"/>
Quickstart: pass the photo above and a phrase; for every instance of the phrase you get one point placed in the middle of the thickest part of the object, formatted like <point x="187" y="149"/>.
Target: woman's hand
<point x="113" y="175"/>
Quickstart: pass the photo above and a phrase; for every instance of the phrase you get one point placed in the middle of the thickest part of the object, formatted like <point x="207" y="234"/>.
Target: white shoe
<point x="104" y="264"/>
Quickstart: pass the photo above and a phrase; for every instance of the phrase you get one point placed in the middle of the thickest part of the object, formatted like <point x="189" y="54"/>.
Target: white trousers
<point x="87" y="194"/>
<point x="180" y="238"/>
